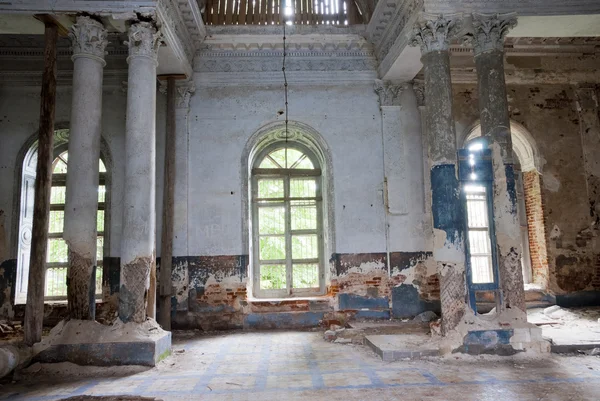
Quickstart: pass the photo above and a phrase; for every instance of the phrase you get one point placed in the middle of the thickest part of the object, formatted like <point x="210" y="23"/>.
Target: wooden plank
<point x="242" y="13"/>
<point x="277" y="11"/>
<point x="269" y="12"/>
<point x="263" y="11"/>
<point x="207" y="10"/>
<point x="166" y="248"/>
<point x="321" y="15"/>
<point x="215" y="12"/>
<point x="34" y="310"/>
<point x="353" y="15"/>
<point x="297" y="12"/>
<point x="340" y="12"/>
<point x="229" y="12"/>
<point x="222" y="6"/>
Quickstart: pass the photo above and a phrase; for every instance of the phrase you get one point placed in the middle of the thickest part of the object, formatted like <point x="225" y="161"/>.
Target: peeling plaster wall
<point x="549" y="113"/>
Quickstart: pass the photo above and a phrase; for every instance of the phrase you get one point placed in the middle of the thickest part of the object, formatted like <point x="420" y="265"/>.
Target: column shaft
<point x="488" y="37"/>
<point x="448" y="224"/>
<point x="138" y="246"/>
<point x="81" y="206"/>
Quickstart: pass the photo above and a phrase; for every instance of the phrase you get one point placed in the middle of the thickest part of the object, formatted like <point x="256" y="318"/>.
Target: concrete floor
<point x="296" y="365"/>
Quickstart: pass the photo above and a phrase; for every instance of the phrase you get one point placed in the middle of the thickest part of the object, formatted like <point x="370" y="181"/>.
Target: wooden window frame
<point x="286" y="201"/>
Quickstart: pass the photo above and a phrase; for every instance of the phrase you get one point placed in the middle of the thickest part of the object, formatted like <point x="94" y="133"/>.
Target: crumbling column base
<point x="86" y="342"/>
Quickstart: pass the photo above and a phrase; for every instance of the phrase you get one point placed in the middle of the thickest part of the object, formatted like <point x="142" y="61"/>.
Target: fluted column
<point x="88" y="38"/>
<point x="488" y="45"/>
<point x="433" y="37"/>
<point x="138" y="245"/>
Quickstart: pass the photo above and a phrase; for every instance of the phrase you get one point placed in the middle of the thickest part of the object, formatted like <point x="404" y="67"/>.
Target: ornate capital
<point x="489" y="31"/>
<point x="184" y="93"/>
<point x="88" y="39"/>
<point x="435" y="34"/>
<point x="389" y="94"/>
<point x="144" y="41"/>
<point x="419" y="89"/>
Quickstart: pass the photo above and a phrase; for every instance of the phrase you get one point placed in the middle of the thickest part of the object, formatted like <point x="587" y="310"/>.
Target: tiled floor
<point x="300" y="365"/>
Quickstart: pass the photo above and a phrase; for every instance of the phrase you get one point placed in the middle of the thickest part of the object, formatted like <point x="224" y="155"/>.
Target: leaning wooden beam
<point x="34" y="310"/>
<point x="166" y="250"/>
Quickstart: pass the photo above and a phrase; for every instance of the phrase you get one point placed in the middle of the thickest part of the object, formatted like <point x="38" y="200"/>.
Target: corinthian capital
<point x="184" y="93"/>
<point x="435" y="34"/>
<point x="144" y="40"/>
<point x="88" y="39"/>
<point x="389" y="94"/>
<point x="489" y="31"/>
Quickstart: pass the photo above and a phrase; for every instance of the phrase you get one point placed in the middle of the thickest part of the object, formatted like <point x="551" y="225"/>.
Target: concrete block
<point x="91" y="343"/>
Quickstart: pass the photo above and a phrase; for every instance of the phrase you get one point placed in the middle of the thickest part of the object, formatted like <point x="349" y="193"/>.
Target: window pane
<point x="479" y="242"/>
<point x="272" y="248"/>
<point x="481" y="269"/>
<point x="271" y="220"/>
<point x="99" y="280"/>
<point x="59" y="167"/>
<point x="56" y="282"/>
<point x="279" y="157"/>
<point x="57" y="195"/>
<point x="477" y="210"/>
<point x="270" y="188"/>
<point x="57" y="219"/>
<point x="101" y="194"/>
<point x="305" y="275"/>
<point x="99" y="248"/>
<point x="100" y="221"/>
<point x="272" y="277"/>
<point x="293" y="156"/>
<point x="268" y="163"/>
<point x="303" y="188"/>
<point x="57" y="251"/>
<point x="305" y="164"/>
<point x="304" y="217"/>
<point x="305" y="247"/>
<point x="101" y="166"/>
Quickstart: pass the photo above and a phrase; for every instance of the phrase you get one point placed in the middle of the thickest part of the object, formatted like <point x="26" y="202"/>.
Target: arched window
<point x="57" y="253"/>
<point x="527" y="167"/>
<point x="287" y="221"/>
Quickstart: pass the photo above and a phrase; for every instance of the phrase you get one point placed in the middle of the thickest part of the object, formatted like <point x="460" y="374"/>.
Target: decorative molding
<point x="184" y="90"/>
<point x="400" y="26"/>
<point x="144" y="41"/>
<point x="419" y="89"/>
<point x="528" y="7"/>
<point x="325" y="78"/>
<point x="435" y="34"/>
<point x="389" y="93"/>
<point x="489" y="31"/>
<point x="89" y="38"/>
<point x="25" y="79"/>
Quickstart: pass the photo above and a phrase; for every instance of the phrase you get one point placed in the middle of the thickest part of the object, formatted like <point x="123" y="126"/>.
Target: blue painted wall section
<point x="446" y="207"/>
<point x="365" y="307"/>
<point x="407" y="303"/>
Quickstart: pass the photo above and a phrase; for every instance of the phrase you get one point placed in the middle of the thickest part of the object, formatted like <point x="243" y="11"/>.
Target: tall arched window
<point x="57" y="253"/>
<point x="287" y="222"/>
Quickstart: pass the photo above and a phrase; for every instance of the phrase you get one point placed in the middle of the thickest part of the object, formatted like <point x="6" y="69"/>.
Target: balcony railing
<point x="275" y="12"/>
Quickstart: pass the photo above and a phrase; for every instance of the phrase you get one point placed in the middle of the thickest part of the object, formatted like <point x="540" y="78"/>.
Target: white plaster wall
<point x="222" y="119"/>
<point x="19" y="119"/>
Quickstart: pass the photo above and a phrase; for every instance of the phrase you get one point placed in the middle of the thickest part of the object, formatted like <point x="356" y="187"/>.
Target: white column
<point x="138" y="245"/>
<point x="89" y="41"/>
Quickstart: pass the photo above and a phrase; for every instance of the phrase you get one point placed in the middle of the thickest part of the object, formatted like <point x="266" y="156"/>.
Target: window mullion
<point x="288" y="235"/>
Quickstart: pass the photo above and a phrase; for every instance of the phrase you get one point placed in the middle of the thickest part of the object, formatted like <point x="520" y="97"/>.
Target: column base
<point x="496" y="335"/>
<point x="86" y="342"/>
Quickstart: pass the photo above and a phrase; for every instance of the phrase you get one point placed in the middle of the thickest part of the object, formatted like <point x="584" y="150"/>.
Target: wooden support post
<point x="34" y="310"/>
<point x="166" y="250"/>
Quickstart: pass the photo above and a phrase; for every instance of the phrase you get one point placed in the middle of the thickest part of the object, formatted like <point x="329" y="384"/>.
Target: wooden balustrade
<point x="275" y="12"/>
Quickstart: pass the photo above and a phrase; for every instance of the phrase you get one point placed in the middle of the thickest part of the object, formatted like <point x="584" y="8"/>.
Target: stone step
<point x="394" y="347"/>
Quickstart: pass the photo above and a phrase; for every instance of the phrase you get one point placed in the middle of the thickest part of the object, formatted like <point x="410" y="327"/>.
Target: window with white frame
<point x="57" y="253"/>
<point x="287" y="222"/>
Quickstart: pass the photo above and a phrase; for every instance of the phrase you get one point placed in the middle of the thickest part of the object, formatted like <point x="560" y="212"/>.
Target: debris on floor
<point x="568" y="329"/>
